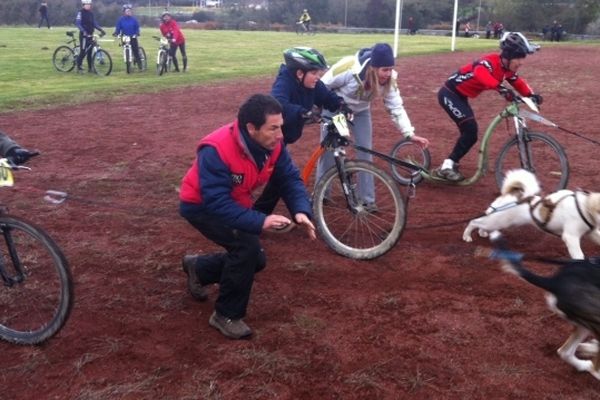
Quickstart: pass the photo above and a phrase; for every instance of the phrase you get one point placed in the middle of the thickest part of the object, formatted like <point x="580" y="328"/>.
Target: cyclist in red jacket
<point x="170" y="29"/>
<point x="469" y="81"/>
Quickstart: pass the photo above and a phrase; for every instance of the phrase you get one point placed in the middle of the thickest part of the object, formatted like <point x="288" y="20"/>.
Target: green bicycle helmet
<point x="304" y="58"/>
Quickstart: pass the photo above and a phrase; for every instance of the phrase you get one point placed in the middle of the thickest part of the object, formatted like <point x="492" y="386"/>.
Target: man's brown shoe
<point x="196" y="289"/>
<point x="232" y="328"/>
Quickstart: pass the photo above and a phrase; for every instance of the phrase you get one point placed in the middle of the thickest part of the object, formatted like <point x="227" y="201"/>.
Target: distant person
<point x="411" y="26"/>
<point x="488" y="30"/>
<point x="467" y="29"/>
<point x="128" y="25"/>
<point x="43" y="10"/>
<point x="487" y="73"/>
<point x="216" y="198"/>
<point x="305" y="20"/>
<point x="86" y="23"/>
<point x="360" y="79"/>
<point x="299" y="90"/>
<point x="556" y="32"/>
<point x="170" y="29"/>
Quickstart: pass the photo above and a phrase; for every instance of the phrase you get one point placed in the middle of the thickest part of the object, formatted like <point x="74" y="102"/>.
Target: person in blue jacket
<point x="216" y="198"/>
<point x="302" y="95"/>
<point x="86" y="23"/>
<point x="128" y="25"/>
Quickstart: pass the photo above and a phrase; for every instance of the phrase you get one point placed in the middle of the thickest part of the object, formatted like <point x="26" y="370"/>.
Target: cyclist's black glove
<point x="102" y="33"/>
<point x="506" y="92"/>
<point x="311" y="116"/>
<point x="537" y="99"/>
<point x="19" y="155"/>
<point x="347" y="111"/>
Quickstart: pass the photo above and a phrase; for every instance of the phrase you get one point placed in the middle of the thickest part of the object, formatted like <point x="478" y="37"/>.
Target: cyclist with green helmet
<point x="302" y="95"/>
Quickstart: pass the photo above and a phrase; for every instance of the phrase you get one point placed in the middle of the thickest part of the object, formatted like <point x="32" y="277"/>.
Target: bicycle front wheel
<point x="64" y="59"/>
<point x="410" y="152"/>
<point x="37" y="295"/>
<point x="543" y="156"/>
<point x="102" y="63"/>
<point x="128" y="61"/>
<point x="161" y="67"/>
<point x="355" y="227"/>
<point x="143" y="63"/>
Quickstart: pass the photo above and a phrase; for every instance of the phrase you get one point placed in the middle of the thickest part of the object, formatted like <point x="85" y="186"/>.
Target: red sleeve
<point x="163" y="29"/>
<point x="520" y="85"/>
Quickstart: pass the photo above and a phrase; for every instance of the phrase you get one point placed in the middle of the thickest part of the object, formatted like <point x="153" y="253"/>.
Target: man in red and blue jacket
<point x="217" y="195"/>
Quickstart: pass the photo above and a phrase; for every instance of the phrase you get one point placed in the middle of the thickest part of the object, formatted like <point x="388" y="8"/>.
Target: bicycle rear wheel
<point x="64" y="59"/>
<point x="352" y="228"/>
<point x="37" y="300"/>
<point x="544" y="157"/>
<point x="409" y="151"/>
<point x="102" y="63"/>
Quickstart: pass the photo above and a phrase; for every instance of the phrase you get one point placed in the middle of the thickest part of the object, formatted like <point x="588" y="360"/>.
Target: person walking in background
<point x="170" y="29"/>
<point x="360" y="79"/>
<point x="128" y="25"/>
<point x="43" y="10"/>
<point x="299" y="90"/>
<point x="86" y="23"/>
<point x="216" y="198"/>
<point x="469" y="81"/>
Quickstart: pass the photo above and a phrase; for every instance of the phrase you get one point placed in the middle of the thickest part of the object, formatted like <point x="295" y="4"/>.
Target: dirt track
<point x="426" y="321"/>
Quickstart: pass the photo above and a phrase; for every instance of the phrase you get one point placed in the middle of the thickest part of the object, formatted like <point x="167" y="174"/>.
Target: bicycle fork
<point x="348" y="185"/>
<point x="523" y="144"/>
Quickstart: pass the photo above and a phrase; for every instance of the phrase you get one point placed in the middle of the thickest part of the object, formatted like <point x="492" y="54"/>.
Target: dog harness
<point x="547" y="208"/>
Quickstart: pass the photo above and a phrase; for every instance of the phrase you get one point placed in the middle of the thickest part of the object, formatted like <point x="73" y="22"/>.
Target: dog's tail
<point x="520" y="182"/>
<point x="512" y="263"/>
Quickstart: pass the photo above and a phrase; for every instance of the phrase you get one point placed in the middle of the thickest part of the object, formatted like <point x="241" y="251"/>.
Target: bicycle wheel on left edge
<point x="36" y="301"/>
<point x="361" y="230"/>
<point x="102" y="63"/>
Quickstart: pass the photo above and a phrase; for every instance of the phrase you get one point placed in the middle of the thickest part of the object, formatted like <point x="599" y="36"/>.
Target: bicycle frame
<point x="337" y="144"/>
<point x="511" y="111"/>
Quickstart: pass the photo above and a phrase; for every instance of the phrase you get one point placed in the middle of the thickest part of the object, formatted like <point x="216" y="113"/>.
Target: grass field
<point x="29" y="80"/>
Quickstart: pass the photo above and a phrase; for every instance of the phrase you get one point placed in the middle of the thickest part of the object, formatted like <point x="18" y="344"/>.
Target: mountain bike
<point x="537" y="152"/>
<point x="37" y="292"/>
<point x="128" y="57"/>
<point x="350" y="224"/>
<point x="163" y="56"/>
<point x="64" y="58"/>
<point x="301" y="29"/>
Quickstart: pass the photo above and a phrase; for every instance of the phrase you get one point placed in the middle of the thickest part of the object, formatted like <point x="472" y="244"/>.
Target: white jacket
<point x="344" y="78"/>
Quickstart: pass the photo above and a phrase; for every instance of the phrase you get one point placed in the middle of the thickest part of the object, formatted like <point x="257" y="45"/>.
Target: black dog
<point x="573" y="292"/>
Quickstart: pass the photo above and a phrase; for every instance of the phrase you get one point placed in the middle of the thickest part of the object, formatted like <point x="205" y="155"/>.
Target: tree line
<point x="576" y="16"/>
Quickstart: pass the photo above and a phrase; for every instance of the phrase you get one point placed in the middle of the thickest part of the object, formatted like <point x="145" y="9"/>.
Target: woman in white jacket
<point x="359" y="79"/>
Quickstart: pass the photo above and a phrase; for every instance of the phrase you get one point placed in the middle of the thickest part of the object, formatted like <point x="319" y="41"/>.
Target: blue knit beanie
<point x="382" y="56"/>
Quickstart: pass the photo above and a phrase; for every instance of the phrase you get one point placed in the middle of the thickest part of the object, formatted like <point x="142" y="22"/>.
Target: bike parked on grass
<point x="537" y="152"/>
<point x="349" y="224"/>
<point x="163" y="56"/>
<point x="128" y="57"/>
<point x="64" y="58"/>
<point x="37" y="295"/>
